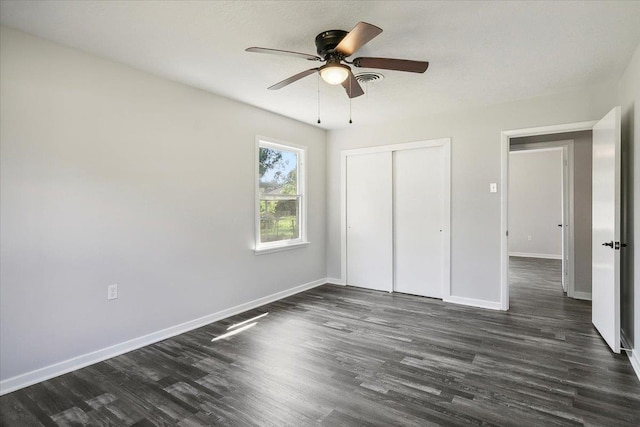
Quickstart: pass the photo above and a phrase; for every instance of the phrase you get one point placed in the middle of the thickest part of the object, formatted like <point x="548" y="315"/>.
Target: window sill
<point x="272" y="249"/>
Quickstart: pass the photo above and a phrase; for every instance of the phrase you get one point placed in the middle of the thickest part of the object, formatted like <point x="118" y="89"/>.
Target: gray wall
<point x="535" y="203"/>
<point x="582" y="153"/>
<point x="475" y="158"/>
<point x="111" y="175"/>
<point x="629" y="99"/>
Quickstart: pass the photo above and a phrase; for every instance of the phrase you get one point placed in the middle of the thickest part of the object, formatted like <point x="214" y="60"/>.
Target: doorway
<point x="541" y="214"/>
<point x="576" y="220"/>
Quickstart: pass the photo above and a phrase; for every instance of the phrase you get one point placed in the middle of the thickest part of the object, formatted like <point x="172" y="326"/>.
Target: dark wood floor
<point x="341" y="356"/>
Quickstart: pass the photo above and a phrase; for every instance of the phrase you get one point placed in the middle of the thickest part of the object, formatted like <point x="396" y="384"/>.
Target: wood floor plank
<point x="342" y="356"/>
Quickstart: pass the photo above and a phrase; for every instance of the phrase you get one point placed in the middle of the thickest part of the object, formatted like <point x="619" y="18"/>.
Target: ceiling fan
<point x="334" y="47"/>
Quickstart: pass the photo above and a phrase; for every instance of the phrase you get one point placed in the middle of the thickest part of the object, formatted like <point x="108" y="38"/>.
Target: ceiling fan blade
<point x="352" y="86"/>
<point x="292" y="79"/>
<point x="392" y="64"/>
<point x="284" y="53"/>
<point x="360" y="35"/>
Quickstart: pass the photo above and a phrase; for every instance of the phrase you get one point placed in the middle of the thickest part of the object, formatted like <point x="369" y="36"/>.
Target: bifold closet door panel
<point x="370" y="221"/>
<point x="418" y="188"/>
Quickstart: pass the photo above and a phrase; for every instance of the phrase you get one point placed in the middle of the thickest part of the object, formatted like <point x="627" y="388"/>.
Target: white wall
<point x="629" y="100"/>
<point x="535" y="203"/>
<point x="476" y="148"/>
<point x="111" y="175"/>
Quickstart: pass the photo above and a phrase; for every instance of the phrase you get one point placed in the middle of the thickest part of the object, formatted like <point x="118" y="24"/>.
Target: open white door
<point x="566" y="203"/>
<point x="605" y="309"/>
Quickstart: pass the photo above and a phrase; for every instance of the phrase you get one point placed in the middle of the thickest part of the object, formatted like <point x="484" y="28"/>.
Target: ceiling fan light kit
<point x="334" y="47"/>
<point x="334" y="73"/>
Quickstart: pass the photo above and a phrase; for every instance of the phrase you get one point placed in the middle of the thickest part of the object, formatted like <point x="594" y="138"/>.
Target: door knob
<point x="610" y="244"/>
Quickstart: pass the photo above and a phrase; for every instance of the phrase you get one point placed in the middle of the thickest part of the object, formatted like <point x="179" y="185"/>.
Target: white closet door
<point x="418" y="187"/>
<point x="369" y="221"/>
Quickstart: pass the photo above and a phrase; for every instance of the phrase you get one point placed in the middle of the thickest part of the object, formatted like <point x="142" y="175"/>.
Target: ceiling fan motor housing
<point x="327" y="41"/>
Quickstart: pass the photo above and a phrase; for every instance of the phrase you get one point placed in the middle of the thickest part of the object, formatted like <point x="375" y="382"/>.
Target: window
<point x="280" y="210"/>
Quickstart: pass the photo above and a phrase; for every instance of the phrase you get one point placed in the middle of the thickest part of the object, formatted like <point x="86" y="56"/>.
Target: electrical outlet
<point x="529" y="237"/>
<point x="112" y="292"/>
<point x="493" y="187"/>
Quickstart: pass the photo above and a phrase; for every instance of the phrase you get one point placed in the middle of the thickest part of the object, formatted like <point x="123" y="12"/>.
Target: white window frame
<point x="282" y="245"/>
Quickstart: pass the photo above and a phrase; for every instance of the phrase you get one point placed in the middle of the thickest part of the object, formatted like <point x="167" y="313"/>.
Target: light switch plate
<point x="493" y="187"/>
<point x="112" y="291"/>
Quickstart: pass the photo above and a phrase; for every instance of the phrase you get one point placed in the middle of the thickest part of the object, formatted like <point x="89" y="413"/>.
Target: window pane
<point x="280" y="195"/>
<point x="278" y="171"/>
<point x="279" y="220"/>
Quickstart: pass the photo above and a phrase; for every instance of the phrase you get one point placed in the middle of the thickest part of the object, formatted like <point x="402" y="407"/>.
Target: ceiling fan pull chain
<point x="318" y="98"/>
<point x="350" y="80"/>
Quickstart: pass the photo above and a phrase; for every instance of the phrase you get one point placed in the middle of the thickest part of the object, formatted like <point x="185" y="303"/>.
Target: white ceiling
<point x="480" y="52"/>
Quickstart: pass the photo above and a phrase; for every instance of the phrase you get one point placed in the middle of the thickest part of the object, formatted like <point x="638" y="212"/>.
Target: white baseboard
<point x="66" y="366"/>
<point x="532" y="255"/>
<point x="582" y="295"/>
<point x="335" y="281"/>
<point x="492" y="305"/>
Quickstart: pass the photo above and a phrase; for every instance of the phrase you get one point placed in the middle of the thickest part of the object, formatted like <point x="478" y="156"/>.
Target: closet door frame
<point x="445" y="143"/>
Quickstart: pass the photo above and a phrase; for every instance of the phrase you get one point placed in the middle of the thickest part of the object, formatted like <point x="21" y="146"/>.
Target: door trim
<point x="446" y="145"/>
<point x="505" y="136"/>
